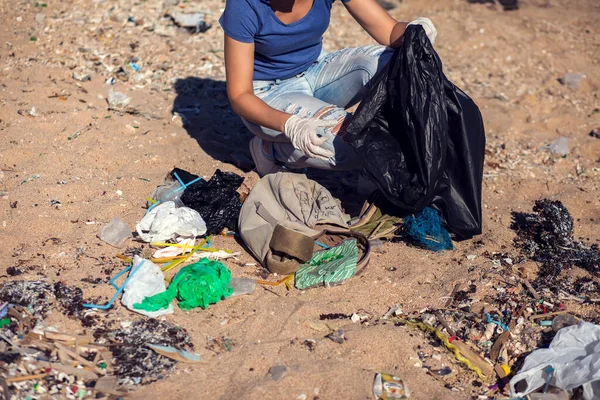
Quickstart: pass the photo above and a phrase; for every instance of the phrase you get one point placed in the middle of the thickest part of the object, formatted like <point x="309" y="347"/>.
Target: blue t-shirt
<point x="280" y="51"/>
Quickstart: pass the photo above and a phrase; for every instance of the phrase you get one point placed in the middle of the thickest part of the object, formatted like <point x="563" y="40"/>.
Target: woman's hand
<point x="428" y="26"/>
<point x="302" y="132"/>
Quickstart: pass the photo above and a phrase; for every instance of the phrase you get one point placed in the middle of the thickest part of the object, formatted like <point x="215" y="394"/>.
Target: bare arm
<point x="377" y="22"/>
<point x="239" y="67"/>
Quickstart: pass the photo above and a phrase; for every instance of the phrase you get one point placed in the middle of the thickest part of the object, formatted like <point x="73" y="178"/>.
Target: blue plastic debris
<point x="490" y="319"/>
<point x="119" y="289"/>
<point x="427" y="230"/>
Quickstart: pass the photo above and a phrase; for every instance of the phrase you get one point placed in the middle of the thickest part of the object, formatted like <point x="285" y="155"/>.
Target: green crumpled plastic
<point x="196" y="285"/>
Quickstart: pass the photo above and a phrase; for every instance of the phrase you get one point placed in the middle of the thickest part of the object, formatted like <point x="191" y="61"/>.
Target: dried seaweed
<point x="546" y="236"/>
<point x="71" y="299"/>
<point x="14" y="271"/>
<point x="324" y="317"/>
<point x="35" y="295"/>
<point x="134" y="361"/>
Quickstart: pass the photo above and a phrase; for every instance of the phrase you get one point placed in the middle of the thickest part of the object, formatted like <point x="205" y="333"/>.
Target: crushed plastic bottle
<point x="115" y="233"/>
<point x="167" y="192"/>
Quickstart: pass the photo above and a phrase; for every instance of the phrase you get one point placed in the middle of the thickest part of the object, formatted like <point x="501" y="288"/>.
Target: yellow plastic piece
<point x="287" y="280"/>
<point x="175" y="261"/>
<point x="444" y="339"/>
<point x="186" y="256"/>
<point x="506" y="369"/>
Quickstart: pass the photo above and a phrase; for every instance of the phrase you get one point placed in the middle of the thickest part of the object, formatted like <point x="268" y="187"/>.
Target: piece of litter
<point x="337" y="336"/>
<point x="81" y="77"/>
<point x="277" y="371"/>
<point x="73" y="136"/>
<point x="214" y="255"/>
<point x="186" y="246"/>
<point x="571" y="80"/>
<point x="175" y="354"/>
<point x="388" y="387"/>
<point x="193" y="22"/>
<point x="117" y="100"/>
<point x="559" y="146"/>
<point x="146" y="282"/>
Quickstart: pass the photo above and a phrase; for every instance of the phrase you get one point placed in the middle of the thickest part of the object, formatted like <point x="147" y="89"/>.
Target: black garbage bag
<point x="217" y="200"/>
<point x="422" y="138"/>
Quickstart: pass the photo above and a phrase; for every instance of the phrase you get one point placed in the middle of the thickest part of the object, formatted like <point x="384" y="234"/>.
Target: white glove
<point x="428" y="26"/>
<point x="302" y="132"/>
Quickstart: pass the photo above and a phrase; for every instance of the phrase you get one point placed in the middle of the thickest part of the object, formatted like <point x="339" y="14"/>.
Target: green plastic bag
<point x="196" y="285"/>
<point x="329" y="267"/>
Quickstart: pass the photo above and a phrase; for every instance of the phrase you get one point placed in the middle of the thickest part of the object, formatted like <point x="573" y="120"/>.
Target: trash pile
<point x="492" y="327"/>
<point x="108" y="360"/>
<point x="301" y="234"/>
<point x="37" y="360"/>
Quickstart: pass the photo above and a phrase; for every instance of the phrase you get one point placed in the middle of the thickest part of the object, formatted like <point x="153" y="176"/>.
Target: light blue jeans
<point x="336" y="81"/>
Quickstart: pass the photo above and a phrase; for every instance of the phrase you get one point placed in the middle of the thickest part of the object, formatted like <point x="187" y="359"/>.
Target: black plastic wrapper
<point x="422" y="138"/>
<point x="217" y="200"/>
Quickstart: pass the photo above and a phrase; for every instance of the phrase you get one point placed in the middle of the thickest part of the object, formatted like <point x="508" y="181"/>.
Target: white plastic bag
<point x="147" y="281"/>
<point x="167" y="222"/>
<point x="575" y="356"/>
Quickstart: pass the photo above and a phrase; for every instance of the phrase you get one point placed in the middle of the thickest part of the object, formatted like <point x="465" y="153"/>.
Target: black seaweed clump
<point x="546" y="236"/>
